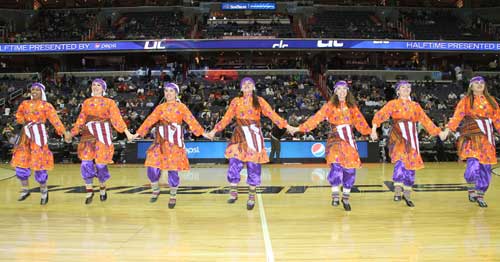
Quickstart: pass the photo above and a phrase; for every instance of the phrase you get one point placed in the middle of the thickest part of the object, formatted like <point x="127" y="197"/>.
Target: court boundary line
<point x="494" y="172"/>
<point x="9" y="169"/>
<point x="265" y="231"/>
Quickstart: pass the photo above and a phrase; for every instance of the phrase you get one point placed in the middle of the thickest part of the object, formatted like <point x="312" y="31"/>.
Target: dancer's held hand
<point x="131" y="137"/>
<point x="291" y="129"/>
<point x="67" y="137"/>
<point x="208" y="136"/>
<point x="444" y="134"/>
<point x="374" y="135"/>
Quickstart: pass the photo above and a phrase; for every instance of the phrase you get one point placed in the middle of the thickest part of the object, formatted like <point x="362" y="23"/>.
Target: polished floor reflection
<point x="293" y="219"/>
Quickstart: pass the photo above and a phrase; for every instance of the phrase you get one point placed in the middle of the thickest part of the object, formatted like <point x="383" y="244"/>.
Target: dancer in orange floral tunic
<point x="342" y="152"/>
<point x="94" y="123"/>
<point x="168" y="151"/>
<point x="32" y="150"/>
<point x="403" y="142"/>
<point x="479" y="113"/>
<point x="247" y="142"/>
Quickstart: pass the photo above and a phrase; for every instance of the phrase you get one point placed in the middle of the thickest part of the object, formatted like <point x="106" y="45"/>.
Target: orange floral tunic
<point x="481" y="149"/>
<point x="241" y="108"/>
<point x="164" y="155"/>
<point x="344" y="154"/>
<point x="28" y="154"/>
<point x="102" y="108"/>
<point x="402" y="109"/>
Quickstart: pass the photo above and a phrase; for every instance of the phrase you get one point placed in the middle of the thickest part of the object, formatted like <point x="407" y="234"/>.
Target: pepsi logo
<point x="318" y="150"/>
<point x="192" y="150"/>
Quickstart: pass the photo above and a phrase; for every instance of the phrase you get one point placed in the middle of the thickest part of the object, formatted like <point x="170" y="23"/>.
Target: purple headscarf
<point x="41" y="87"/>
<point x="339" y="84"/>
<point x="101" y="82"/>
<point x="402" y="83"/>
<point x="476" y="79"/>
<point x="245" y="80"/>
<point x="173" y="86"/>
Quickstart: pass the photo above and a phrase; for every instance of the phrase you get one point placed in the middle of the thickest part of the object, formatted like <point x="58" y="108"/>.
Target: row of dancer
<point x="477" y="109"/>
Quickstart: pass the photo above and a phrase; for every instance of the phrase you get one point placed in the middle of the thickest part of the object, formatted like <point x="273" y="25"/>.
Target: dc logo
<point x="281" y="44"/>
<point x="318" y="150"/>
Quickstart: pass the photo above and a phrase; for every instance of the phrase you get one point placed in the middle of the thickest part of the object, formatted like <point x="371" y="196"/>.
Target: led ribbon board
<point x="235" y="6"/>
<point x="253" y="44"/>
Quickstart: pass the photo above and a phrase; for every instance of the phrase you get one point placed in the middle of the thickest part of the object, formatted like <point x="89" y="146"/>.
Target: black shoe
<point x="397" y="198"/>
<point x="88" y="200"/>
<point x="472" y="198"/>
<point x="171" y="203"/>
<point x="335" y="202"/>
<point x="23" y="197"/>
<point x="481" y="203"/>
<point x="408" y="202"/>
<point x="250" y="205"/>
<point x="103" y="197"/>
<point x="44" y="201"/>
<point x="232" y="199"/>
<point x="153" y="199"/>
<point x="347" y="206"/>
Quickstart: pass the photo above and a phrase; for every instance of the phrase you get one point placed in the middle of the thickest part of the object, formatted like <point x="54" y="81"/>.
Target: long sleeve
<point x="383" y="114"/>
<point x="427" y="122"/>
<point x="152" y="119"/>
<point x="313" y="121"/>
<point x="55" y="120"/>
<point x="269" y="112"/>
<point x="228" y="117"/>
<point x="20" y="114"/>
<point x="496" y="118"/>
<point x="359" y="121"/>
<point x="457" y="116"/>
<point x="80" y="121"/>
<point x="193" y="124"/>
<point x="116" y="118"/>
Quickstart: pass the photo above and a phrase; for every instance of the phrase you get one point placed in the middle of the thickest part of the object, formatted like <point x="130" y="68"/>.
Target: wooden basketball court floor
<point x="292" y="221"/>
